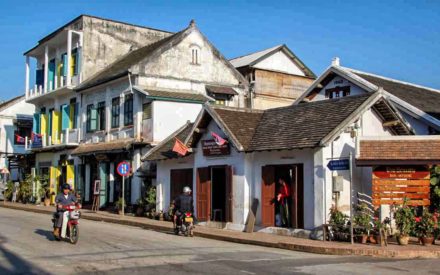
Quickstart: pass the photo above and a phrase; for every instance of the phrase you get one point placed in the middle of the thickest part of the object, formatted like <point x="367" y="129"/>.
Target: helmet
<point x="186" y="189"/>
<point x="66" y="186"/>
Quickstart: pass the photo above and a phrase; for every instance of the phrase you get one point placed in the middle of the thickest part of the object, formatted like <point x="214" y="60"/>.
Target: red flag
<point x="218" y="139"/>
<point x="19" y="139"/>
<point x="180" y="148"/>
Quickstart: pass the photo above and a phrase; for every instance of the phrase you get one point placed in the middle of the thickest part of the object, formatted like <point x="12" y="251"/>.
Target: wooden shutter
<point x="229" y="194"/>
<point x="36" y="123"/>
<point x="203" y="193"/>
<point x="55" y="126"/>
<point x="70" y="177"/>
<point x="44" y="121"/>
<point x="267" y="196"/>
<point x="93" y="119"/>
<point x="65" y="120"/>
<point x="64" y="59"/>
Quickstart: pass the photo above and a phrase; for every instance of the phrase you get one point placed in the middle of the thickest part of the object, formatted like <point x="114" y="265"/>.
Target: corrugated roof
<point x="173" y="94"/>
<point x="245" y="60"/>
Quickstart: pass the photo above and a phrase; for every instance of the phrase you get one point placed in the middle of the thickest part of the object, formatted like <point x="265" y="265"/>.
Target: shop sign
<point x="401" y="172"/>
<point x="211" y="148"/>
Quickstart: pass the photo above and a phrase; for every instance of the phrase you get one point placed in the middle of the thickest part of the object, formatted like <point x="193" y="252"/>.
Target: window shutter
<point x="51" y="74"/>
<point x="36" y="123"/>
<point x="65" y="123"/>
<point x="64" y="59"/>
<point x="93" y="119"/>
<point x="39" y="77"/>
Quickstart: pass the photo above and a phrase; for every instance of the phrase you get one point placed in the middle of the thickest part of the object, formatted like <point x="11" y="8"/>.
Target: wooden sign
<point x="211" y="148"/>
<point x="392" y="184"/>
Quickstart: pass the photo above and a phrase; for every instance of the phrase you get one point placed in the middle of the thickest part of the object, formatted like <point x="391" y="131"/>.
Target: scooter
<point x="185" y="225"/>
<point x="69" y="229"/>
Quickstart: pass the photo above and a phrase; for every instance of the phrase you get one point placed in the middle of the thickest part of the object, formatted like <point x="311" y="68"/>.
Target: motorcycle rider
<point x="63" y="199"/>
<point x="182" y="204"/>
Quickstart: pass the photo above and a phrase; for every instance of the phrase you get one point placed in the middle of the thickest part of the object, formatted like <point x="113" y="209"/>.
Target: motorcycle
<point x="185" y="224"/>
<point x="69" y="228"/>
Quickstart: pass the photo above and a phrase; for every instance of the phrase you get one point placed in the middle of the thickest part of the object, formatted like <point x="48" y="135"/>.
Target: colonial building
<point x="277" y="76"/>
<point x="15" y="130"/>
<point x="417" y="104"/>
<point x="294" y="143"/>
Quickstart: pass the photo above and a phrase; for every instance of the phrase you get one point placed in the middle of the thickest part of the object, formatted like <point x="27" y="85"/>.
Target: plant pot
<point x="46" y="202"/>
<point x="426" y="241"/>
<point x="361" y="238"/>
<point x="372" y="239"/>
<point x="402" y="239"/>
<point x="139" y="211"/>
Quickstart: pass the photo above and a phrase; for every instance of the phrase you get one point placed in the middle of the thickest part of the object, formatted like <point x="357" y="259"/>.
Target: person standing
<point x="283" y="198"/>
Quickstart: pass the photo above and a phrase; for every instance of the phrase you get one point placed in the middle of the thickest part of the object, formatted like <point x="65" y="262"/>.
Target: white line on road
<point x="247" y="272"/>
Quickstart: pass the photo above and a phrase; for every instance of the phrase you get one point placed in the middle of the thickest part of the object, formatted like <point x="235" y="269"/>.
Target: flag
<point x="218" y="139"/>
<point x="180" y="148"/>
<point x="19" y="139"/>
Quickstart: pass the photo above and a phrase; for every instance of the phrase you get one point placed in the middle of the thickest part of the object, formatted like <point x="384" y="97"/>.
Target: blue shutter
<point x="51" y="74"/>
<point x="64" y="59"/>
<point x="65" y="117"/>
<point x="103" y="177"/>
<point x="36" y="123"/>
<point x="93" y="119"/>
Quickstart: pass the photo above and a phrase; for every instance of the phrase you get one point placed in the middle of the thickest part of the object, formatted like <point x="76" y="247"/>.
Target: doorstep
<point x="256" y="238"/>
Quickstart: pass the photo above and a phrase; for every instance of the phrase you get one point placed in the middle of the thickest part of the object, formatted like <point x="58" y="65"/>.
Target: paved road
<point x="26" y="246"/>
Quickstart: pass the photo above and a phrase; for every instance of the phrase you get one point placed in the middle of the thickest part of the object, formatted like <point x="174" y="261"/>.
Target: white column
<point x="46" y="67"/>
<point x="136" y="181"/>
<point x="26" y="85"/>
<point x="69" y="54"/>
<point x="80" y="59"/>
<point x="137" y="113"/>
<point x="87" y="185"/>
<point x="112" y="181"/>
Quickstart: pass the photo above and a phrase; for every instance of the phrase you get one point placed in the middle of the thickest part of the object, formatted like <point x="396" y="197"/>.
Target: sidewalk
<point x="261" y="239"/>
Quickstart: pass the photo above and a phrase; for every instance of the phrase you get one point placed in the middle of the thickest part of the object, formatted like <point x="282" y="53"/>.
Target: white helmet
<point x="186" y="189"/>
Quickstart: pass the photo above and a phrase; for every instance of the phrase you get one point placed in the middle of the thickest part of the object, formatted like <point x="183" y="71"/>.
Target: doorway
<point x="290" y="211"/>
<point x="179" y="178"/>
<point x="214" y="193"/>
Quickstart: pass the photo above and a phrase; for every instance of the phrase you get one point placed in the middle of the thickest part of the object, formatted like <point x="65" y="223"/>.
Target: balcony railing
<point x="66" y="137"/>
<point x="59" y="83"/>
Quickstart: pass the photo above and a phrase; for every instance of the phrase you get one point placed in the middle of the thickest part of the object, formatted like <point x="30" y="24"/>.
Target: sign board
<point x="123" y="168"/>
<point x="97" y="187"/>
<point x="211" y="148"/>
<point x="340" y="164"/>
<point x="392" y="184"/>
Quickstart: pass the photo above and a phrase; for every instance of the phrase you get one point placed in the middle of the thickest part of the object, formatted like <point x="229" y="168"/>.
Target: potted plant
<point x="9" y="189"/>
<point x="25" y="189"/>
<point x="140" y="209"/>
<point x="362" y="223"/>
<point x="120" y="204"/>
<point x="404" y="218"/>
<point x="338" y="224"/>
<point x="43" y="189"/>
<point x="425" y="226"/>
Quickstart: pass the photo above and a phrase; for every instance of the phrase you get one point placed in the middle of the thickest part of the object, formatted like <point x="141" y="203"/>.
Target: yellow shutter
<point x="70" y="177"/>
<point x="53" y="180"/>
<point x="72" y="65"/>
<point x="44" y="120"/>
<point x="55" y="127"/>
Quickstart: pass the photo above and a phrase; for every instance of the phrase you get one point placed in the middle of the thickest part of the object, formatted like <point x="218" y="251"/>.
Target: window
<point x="195" y="56"/>
<point x="43" y="110"/>
<point x="128" y="110"/>
<point x="337" y="92"/>
<point x="115" y="112"/>
<point x="91" y="118"/>
<point x="147" y="110"/>
<point x="101" y="115"/>
<point x="220" y="102"/>
<point x="20" y="135"/>
<point x="73" y="112"/>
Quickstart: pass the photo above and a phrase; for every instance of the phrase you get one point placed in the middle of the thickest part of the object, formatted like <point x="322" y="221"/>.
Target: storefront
<point x="237" y="156"/>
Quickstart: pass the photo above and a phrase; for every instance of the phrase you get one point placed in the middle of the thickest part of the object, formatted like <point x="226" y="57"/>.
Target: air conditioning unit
<point x="338" y="184"/>
<point x="95" y="139"/>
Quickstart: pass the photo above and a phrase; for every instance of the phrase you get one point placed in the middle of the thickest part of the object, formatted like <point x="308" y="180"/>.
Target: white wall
<point x="169" y="116"/>
<point x="279" y="62"/>
<point x="341" y="82"/>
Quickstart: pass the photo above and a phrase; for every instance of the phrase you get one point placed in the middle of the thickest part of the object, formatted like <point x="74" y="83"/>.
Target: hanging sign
<point x="123" y="168"/>
<point x="211" y="148"/>
<point x="340" y="164"/>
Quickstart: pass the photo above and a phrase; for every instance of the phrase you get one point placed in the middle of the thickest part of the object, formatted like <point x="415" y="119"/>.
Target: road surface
<point x="27" y="247"/>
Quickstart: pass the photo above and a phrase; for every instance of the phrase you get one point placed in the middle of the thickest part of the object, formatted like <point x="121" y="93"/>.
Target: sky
<point x="398" y="39"/>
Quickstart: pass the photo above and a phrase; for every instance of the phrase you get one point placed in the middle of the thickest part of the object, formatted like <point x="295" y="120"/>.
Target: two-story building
<point x="276" y="75"/>
<point x="15" y="131"/>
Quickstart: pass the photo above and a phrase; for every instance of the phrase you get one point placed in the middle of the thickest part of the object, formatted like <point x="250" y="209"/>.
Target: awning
<point x="221" y="90"/>
<point x="106" y="147"/>
<point x="399" y="150"/>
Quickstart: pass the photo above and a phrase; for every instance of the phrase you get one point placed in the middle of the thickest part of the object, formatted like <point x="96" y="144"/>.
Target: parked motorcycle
<point x="185" y="225"/>
<point x="69" y="230"/>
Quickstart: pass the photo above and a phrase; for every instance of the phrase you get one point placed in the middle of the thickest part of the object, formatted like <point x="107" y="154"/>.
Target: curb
<point x="340" y="251"/>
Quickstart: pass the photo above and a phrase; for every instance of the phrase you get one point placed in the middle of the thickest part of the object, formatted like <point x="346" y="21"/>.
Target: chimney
<point x="192" y="23"/>
<point x="336" y="61"/>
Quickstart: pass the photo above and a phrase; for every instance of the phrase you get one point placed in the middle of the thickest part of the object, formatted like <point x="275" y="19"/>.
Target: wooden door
<point x="179" y="178"/>
<point x="294" y="193"/>
<point x="203" y="193"/>
<point x="229" y="194"/>
<point x="267" y="196"/>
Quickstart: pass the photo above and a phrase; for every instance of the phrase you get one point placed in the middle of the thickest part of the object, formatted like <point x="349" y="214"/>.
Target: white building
<point x="15" y="129"/>
<point x="294" y="143"/>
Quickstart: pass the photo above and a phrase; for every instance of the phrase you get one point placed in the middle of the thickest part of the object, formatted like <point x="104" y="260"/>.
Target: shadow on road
<point x="46" y="233"/>
<point x="15" y="264"/>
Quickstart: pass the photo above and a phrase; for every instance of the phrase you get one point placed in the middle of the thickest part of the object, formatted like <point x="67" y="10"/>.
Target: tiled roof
<point x="398" y="148"/>
<point x="173" y="94"/>
<point x="164" y="150"/>
<point x="117" y="145"/>
<point x="303" y="125"/>
<point x="422" y="98"/>
<point x="241" y="123"/>
<point x="221" y="90"/>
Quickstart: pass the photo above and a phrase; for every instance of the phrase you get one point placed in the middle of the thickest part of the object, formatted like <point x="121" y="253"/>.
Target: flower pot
<point x="140" y="211"/>
<point x="361" y="238"/>
<point x="46" y="202"/>
<point x="372" y="239"/>
<point x="426" y="241"/>
<point x="403" y="239"/>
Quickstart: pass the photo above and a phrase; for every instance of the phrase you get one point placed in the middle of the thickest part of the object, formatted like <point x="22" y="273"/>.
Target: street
<point x="27" y="247"/>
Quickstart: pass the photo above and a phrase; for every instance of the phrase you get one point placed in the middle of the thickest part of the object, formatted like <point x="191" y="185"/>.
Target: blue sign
<point x="340" y="164"/>
<point x="37" y="141"/>
<point x="123" y="169"/>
